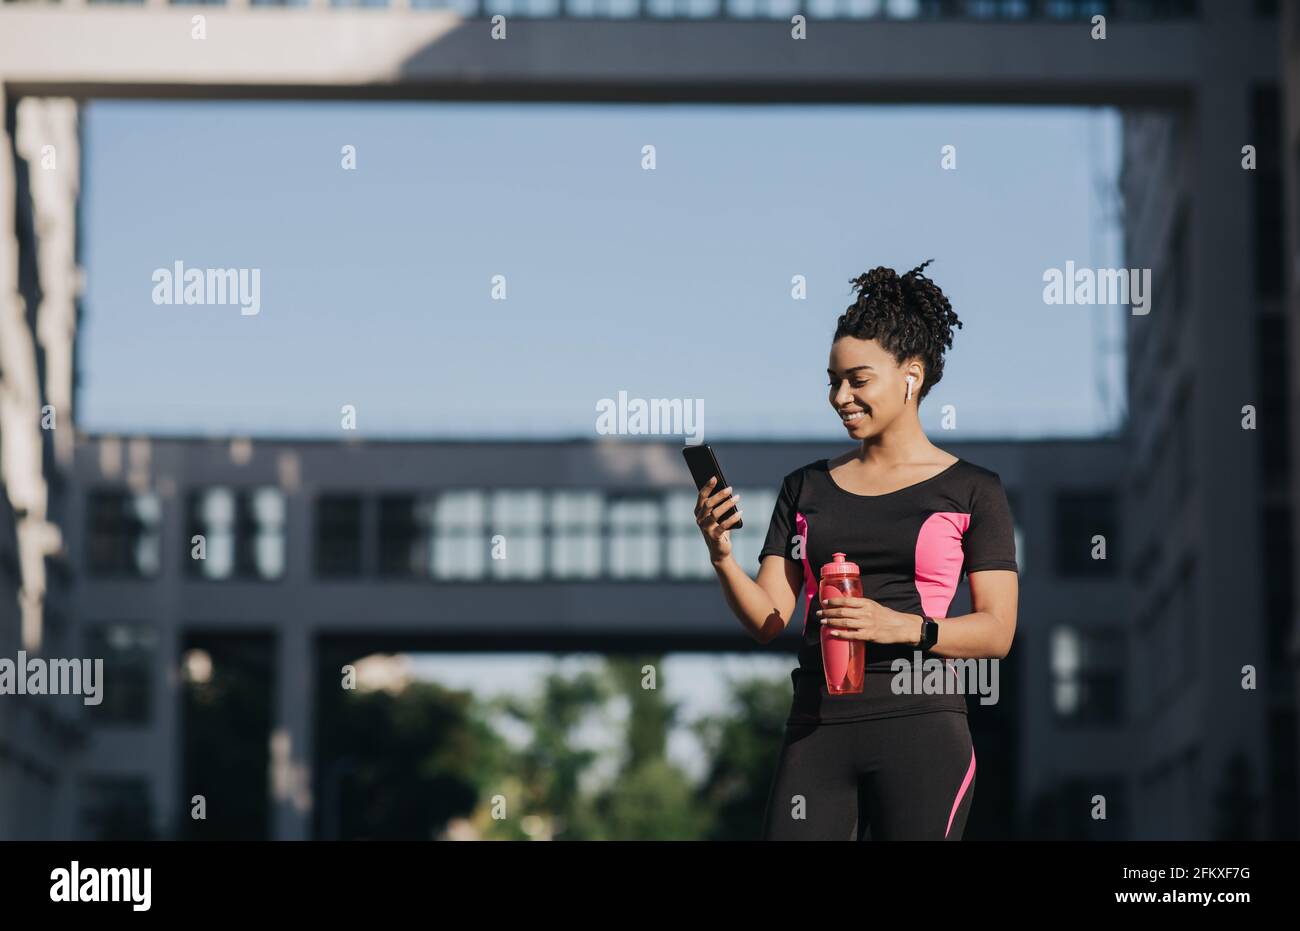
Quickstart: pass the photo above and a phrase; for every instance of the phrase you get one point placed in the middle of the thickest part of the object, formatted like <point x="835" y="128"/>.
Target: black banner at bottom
<point x="203" y="881"/>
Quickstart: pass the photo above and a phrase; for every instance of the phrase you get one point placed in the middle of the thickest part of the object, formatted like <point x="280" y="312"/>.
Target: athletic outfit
<point x="902" y="765"/>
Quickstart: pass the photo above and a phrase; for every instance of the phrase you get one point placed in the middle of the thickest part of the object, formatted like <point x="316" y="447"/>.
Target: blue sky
<point x="671" y="283"/>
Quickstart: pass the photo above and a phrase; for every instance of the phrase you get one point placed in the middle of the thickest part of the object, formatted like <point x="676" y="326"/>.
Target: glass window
<point x="1065" y="671"/>
<point x="686" y="9"/>
<point x="129" y="654"/>
<point x="997" y="9"/>
<point x="262" y="536"/>
<point x="123" y="533"/>
<point x="1076" y="9"/>
<point x="1156" y="9"/>
<point x="634" y="537"/>
<point x="212" y="515"/>
<point x="405" y="535"/>
<point x="338" y="535"/>
<point x="688" y="557"/>
<point x="1087" y="675"/>
<point x="517" y="540"/>
<point x="242" y="530"/>
<point x="902" y="9"/>
<point x="575" y="520"/>
<point x="460" y="538"/>
<point x="1081" y="515"/>
<point x="467" y="8"/>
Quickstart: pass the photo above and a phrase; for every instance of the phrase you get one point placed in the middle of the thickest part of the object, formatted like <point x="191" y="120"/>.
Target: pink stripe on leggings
<point x="965" y="784"/>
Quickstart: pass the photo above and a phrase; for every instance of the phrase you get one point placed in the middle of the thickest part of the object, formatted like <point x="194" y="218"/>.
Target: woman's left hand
<point x="850" y="618"/>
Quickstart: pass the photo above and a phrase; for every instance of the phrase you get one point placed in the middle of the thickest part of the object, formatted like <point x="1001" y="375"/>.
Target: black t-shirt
<point x="911" y="546"/>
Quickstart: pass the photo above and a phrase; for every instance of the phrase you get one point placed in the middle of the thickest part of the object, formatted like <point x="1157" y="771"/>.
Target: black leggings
<point x="905" y="778"/>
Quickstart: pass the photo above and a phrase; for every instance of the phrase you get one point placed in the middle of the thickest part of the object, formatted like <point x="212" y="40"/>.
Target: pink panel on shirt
<point x="810" y="580"/>
<point x="939" y="559"/>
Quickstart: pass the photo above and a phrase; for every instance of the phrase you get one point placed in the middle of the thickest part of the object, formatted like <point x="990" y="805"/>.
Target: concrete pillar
<point x="291" y="733"/>
<point x="48" y="138"/>
<point x="22" y="469"/>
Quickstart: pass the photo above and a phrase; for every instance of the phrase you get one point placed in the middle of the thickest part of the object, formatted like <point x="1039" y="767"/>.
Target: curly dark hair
<point x="908" y="316"/>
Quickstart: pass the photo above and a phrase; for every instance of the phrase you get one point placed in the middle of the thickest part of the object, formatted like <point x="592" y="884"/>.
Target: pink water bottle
<point x="843" y="661"/>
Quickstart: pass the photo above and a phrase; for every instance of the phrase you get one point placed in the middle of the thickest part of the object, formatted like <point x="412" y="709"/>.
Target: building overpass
<point x="943" y="54"/>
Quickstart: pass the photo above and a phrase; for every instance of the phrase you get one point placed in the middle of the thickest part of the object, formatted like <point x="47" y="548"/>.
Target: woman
<point x="913" y="517"/>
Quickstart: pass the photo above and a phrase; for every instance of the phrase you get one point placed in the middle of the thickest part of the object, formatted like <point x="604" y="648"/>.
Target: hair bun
<point x="881" y="281"/>
<point x="909" y="315"/>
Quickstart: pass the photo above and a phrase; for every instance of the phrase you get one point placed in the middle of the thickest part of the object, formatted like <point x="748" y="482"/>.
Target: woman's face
<point x="865" y="380"/>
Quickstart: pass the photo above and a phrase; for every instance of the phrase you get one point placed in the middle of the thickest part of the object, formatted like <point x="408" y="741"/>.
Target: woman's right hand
<point x="707" y="511"/>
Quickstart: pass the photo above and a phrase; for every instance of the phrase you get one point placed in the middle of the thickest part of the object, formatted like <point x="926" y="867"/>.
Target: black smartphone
<point x="704" y="465"/>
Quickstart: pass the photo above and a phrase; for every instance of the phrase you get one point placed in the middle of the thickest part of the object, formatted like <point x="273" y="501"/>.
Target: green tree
<point x="549" y="768"/>
<point x="743" y="745"/>
<point x="649" y="798"/>
<point x="400" y="766"/>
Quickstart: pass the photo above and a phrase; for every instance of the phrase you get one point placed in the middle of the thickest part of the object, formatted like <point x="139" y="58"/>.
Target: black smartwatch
<point x="929" y="633"/>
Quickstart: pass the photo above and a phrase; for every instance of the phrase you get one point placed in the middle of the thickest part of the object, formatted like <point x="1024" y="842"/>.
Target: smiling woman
<point x="900" y="762"/>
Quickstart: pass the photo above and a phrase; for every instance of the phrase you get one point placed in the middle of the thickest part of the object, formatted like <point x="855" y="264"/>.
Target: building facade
<point x="1207" y="496"/>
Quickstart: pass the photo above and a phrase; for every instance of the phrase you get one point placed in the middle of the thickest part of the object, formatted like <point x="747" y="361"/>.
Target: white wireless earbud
<point x="910" y="379"/>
